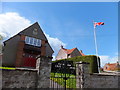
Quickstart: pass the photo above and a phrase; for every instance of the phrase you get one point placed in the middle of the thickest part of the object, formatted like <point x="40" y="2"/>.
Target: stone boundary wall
<point x="19" y="79"/>
<point x="95" y="80"/>
<point x="102" y="81"/>
<point x="28" y="78"/>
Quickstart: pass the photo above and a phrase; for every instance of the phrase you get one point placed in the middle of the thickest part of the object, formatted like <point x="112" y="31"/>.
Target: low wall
<point x="28" y="78"/>
<point x="19" y="79"/>
<point x="87" y="80"/>
<point x="102" y="81"/>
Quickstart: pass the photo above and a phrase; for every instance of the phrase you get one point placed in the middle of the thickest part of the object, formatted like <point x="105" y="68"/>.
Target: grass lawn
<point x="59" y="78"/>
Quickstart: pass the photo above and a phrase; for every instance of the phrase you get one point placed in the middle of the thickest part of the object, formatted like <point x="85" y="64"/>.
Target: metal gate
<point x="63" y="74"/>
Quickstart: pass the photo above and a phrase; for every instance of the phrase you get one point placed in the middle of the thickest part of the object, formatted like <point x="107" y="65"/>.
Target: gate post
<point x="82" y="74"/>
<point x="38" y="65"/>
<point x="43" y="74"/>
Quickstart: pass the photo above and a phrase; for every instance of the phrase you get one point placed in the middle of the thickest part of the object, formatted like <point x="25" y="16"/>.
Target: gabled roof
<point x="111" y="65"/>
<point x="69" y="51"/>
<point x="25" y="32"/>
<point x="82" y="53"/>
<point x="28" y="32"/>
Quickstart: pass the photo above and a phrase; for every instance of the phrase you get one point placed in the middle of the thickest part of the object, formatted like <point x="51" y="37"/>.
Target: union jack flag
<point x="98" y="24"/>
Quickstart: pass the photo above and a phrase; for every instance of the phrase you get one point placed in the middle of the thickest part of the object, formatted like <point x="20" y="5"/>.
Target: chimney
<point x="117" y="63"/>
<point x="61" y="46"/>
<point x="81" y="51"/>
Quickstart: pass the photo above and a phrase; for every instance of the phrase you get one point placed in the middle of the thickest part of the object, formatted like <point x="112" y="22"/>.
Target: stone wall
<point x="19" y="79"/>
<point x="28" y="78"/>
<point x="102" y="80"/>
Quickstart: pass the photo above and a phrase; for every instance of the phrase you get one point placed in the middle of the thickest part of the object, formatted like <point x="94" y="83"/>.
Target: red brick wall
<point x="43" y="48"/>
<point x="19" y="55"/>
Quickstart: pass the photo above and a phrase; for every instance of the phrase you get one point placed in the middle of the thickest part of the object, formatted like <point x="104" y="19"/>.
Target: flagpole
<point x="96" y="46"/>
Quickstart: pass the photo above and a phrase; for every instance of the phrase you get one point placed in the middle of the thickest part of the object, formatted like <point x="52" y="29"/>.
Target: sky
<point x="67" y="23"/>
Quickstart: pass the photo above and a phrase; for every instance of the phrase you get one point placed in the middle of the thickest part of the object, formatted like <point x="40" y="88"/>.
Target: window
<point x="38" y="42"/>
<point x="106" y="67"/>
<point x="32" y="41"/>
<point x="35" y="41"/>
<point x="27" y="40"/>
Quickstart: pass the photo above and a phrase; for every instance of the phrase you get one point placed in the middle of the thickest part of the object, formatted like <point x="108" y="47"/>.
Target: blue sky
<point x="72" y="23"/>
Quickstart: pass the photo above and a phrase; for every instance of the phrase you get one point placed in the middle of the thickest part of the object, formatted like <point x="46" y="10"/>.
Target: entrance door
<point x="29" y="60"/>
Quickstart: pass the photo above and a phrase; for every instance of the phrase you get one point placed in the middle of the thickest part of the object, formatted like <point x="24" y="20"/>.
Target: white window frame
<point x="33" y="41"/>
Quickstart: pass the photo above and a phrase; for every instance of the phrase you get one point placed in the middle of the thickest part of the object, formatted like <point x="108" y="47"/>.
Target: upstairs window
<point x="32" y="41"/>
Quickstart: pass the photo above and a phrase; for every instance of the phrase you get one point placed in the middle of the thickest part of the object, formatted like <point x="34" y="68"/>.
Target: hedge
<point x="92" y="59"/>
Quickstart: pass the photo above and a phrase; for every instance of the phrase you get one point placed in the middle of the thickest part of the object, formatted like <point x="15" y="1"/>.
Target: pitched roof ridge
<point x="69" y="51"/>
<point x="111" y="63"/>
<point x="28" y="27"/>
<point x="64" y="48"/>
<point x="21" y="31"/>
<point x="82" y="53"/>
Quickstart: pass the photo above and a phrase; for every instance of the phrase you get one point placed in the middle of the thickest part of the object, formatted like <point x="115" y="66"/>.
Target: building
<point x="0" y="57"/>
<point x="111" y="67"/>
<point x="68" y="53"/>
<point x="23" y="49"/>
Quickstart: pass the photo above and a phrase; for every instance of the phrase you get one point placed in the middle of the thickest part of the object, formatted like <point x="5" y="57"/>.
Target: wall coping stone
<point x="26" y="69"/>
<point x="104" y="74"/>
<point x="21" y="69"/>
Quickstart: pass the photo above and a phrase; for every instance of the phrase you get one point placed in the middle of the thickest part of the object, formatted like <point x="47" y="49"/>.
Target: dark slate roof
<point x="29" y="32"/>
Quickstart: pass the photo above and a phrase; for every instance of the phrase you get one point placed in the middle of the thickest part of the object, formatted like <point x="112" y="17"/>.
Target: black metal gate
<point x="63" y="74"/>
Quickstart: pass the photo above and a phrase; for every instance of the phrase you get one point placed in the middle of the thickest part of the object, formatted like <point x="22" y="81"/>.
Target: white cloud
<point x="11" y="23"/>
<point x="53" y="58"/>
<point x="55" y="43"/>
<point x="105" y="59"/>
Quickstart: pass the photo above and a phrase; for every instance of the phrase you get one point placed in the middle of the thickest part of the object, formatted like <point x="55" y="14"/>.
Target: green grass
<point x="59" y="78"/>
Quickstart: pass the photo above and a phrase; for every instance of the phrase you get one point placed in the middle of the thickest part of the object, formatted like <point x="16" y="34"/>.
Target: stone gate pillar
<point x="43" y="74"/>
<point x="82" y="74"/>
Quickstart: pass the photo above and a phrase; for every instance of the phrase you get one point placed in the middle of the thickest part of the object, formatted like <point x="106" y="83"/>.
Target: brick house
<point x="23" y="49"/>
<point x="111" y="67"/>
<point x="68" y="53"/>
